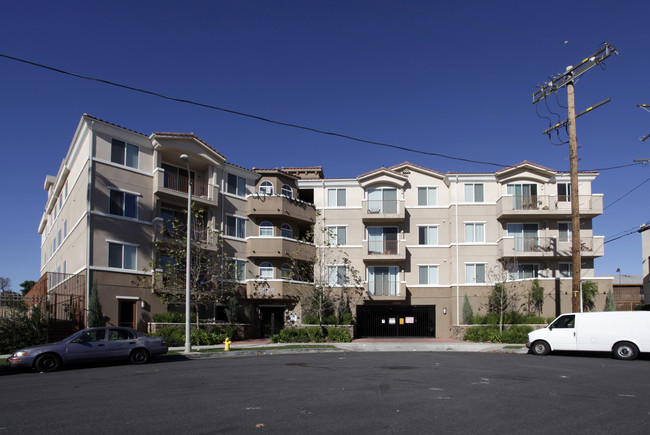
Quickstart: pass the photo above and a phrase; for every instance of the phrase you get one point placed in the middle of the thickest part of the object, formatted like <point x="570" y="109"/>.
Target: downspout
<point x="457" y="260"/>
<point x="88" y="219"/>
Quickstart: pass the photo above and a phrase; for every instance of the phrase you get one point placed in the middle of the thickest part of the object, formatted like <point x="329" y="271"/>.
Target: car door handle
<point x="101" y="344"/>
<point x="131" y="342"/>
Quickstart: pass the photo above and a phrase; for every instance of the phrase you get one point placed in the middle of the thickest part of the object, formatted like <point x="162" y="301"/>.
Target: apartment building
<point x="420" y="240"/>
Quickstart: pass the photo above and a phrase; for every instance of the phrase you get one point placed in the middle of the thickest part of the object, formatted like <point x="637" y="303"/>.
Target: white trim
<point x="131" y="298"/>
<point x="124" y="167"/>
<point x="123" y="243"/>
<point x="119" y="189"/>
<point x="123" y="218"/>
<point x="115" y="269"/>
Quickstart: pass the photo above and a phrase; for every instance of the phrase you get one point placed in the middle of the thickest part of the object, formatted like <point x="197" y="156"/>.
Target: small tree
<point x="468" y="313"/>
<point x="503" y="297"/>
<point x="95" y="316"/>
<point x="609" y="302"/>
<point x="26" y="286"/>
<point x="232" y="308"/>
<point x="589" y="292"/>
<point x="536" y="297"/>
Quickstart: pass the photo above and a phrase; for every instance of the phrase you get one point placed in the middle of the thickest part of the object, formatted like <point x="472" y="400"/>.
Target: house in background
<point x="645" y="250"/>
<point x="419" y="239"/>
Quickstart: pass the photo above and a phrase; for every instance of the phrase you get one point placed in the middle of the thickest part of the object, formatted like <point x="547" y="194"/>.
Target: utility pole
<point x="567" y="79"/>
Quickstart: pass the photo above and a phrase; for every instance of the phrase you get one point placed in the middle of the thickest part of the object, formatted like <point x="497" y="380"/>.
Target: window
<point x="236" y="227"/>
<point x="382" y="200"/>
<point x="475" y="273"/>
<point x="123" y="204"/>
<point x="524" y="196"/>
<point x="475" y="232"/>
<point x="382" y="281"/>
<point x="428" y="235"/>
<point x="236" y="270"/>
<point x="236" y="185"/>
<point x="65" y="228"/>
<point x="174" y="221"/>
<point x="59" y="238"/>
<point x="474" y="192"/>
<point x="337" y="235"/>
<point x="564" y="228"/>
<point x="287" y="231"/>
<point x="287" y="271"/>
<point x="525" y="236"/>
<point x="122" y="256"/>
<point x="523" y="271"/>
<point x="564" y="192"/>
<point x="266" y="229"/>
<point x="266" y="270"/>
<point x="120" y="334"/>
<point x="287" y="191"/>
<point x="565" y="270"/>
<point x="266" y="188"/>
<point x="124" y="153"/>
<point x="336" y="198"/>
<point x="564" y="322"/>
<point x="382" y="241"/>
<point x="428" y="275"/>
<point x="428" y="196"/>
<point x="336" y="275"/>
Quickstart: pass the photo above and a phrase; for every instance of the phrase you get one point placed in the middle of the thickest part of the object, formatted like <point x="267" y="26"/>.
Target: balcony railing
<point x="383" y="247"/>
<point x="551" y="204"/>
<point x="180" y="183"/>
<point x="549" y="246"/>
<point x="384" y="288"/>
<point x="382" y="206"/>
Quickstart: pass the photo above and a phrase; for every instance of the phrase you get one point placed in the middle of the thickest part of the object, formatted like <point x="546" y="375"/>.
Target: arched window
<point x="266" y="229"/>
<point x="287" y="191"/>
<point x="266" y="270"/>
<point x="266" y="188"/>
<point x="286" y="271"/>
<point x="287" y="231"/>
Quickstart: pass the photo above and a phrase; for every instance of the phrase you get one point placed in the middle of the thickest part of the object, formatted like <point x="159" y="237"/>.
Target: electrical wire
<point x="617" y="200"/>
<point x="259" y="118"/>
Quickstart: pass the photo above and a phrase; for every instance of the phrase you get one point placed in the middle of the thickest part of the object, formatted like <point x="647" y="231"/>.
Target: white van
<point x="624" y="333"/>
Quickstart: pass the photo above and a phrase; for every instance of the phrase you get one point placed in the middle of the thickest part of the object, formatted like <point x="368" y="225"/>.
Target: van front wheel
<point x="540" y="348"/>
<point x="625" y="350"/>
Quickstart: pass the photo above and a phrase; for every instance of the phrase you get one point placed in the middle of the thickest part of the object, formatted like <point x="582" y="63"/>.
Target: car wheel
<point x="47" y="363"/>
<point x="139" y="356"/>
<point x="540" y="348"/>
<point x="625" y="350"/>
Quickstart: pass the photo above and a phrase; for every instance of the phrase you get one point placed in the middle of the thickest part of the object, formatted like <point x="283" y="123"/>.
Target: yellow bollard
<point x="226" y="343"/>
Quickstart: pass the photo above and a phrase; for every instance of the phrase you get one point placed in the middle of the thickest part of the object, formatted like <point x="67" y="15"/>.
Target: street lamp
<point x="188" y="346"/>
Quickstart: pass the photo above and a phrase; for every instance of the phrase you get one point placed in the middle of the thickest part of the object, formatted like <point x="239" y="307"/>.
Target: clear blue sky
<point x="451" y="77"/>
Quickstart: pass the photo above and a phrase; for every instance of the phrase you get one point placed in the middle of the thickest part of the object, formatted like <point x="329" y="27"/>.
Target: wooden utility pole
<point x="575" y="200"/>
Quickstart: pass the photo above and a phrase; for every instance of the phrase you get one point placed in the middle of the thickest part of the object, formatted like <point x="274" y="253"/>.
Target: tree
<point x="536" y="297"/>
<point x="95" y="316"/>
<point x="503" y="297"/>
<point x="213" y="274"/>
<point x="5" y="284"/>
<point x="24" y="327"/>
<point x="609" y="302"/>
<point x="26" y="286"/>
<point x="589" y="292"/>
<point x="468" y="313"/>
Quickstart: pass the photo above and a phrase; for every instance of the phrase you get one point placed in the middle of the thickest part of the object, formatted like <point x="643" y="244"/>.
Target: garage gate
<point x="394" y="321"/>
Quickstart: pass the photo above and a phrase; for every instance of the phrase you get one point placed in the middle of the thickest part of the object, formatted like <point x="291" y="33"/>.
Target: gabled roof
<point x="187" y="136"/>
<point x="412" y="166"/>
<point x="382" y="175"/>
<point x="94" y="118"/>
<point x="526" y="165"/>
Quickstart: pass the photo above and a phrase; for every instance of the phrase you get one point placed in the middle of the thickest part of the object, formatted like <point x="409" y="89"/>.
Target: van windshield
<point x="564" y="322"/>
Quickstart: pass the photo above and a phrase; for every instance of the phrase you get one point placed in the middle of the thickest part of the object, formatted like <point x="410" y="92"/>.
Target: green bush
<point x="173" y="317"/>
<point x="327" y="320"/>
<point x="516" y="334"/>
<point x="347" y="319"/>
<point x="312" y="334"/>
<point x="175" y="335"/>
<point x="509" y="318"/>
<point x="23" y="328"/>
<point x="338" y="335"/>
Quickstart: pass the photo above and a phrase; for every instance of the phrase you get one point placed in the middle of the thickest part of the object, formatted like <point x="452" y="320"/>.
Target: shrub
<point x="312" y="334"/>
<point x="517" y="334"/>
<point x="468" y="313"/>
<point x="174" y="335"/>
<point x="173" y="317"/>
<point x="23" y="328"/>
<point x="347" y="319"/>
<point x="338" y="335"/>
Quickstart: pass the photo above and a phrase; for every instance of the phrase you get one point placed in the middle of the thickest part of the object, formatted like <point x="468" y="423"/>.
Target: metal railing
<point x="179" y="183"/>
<point x="382" y="247"/>
<point x="379" y="206"/>
<point x="383" y="288"/>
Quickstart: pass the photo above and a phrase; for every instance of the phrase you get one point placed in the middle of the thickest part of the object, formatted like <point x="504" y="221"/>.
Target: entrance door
<point x="271" y="320"/>
<point x="127" y="313"/>
<point x="395" y="321"/>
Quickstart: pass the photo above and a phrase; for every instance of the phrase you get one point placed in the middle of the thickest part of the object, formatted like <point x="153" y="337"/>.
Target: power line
<point x="642" y="183"/>
<point x="259" y="118"/>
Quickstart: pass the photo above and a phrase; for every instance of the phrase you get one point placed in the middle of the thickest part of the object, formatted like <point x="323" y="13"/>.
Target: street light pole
<point x="188" y="346"/>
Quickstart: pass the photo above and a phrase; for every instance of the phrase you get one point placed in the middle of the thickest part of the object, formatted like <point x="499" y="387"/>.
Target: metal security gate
<point x="392" y="321"/>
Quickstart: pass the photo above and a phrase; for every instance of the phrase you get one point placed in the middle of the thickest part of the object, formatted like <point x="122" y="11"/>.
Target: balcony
<point x="173" y="185"/>
<point x="385" y="291"/>
<point x="382" y="210"/>
<point x="279" y="247"/>
<point x="280" y="205"/>
<point x="390" y="251"/>
<point x="547" y="206"/>
<point x="548" y="247"/>
<point x="272" y="289"/>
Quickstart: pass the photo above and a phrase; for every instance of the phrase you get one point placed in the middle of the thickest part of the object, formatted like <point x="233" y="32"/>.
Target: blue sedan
<point x="91" y="345"/>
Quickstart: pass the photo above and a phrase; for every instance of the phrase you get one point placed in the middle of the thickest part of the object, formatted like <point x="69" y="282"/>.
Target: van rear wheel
<point x="540" y="348"/>
<point x="625" y="350"/>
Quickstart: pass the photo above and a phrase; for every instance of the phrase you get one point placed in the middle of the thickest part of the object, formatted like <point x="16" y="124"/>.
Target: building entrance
<point x="396" y="321"/>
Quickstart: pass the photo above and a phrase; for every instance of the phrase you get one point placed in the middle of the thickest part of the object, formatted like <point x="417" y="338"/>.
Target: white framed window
<point x="382" y="280"/>
<point x="428" y="274"/>
<point x="428" y="196"/>
<point x="565" y="270"/>
<point x="428" y="235"/>
<point x="337" y="235"/>
<point x="266" y="188"/>
<point x="474" y="232"/>
<point x="236" y="227"/>
<point x="122" y="256"/>
<point x="382" y="241"/>
<point x="525" y="237"/>
<point x="382" y="200"/>
<point x="287" y="271"/>
<point x="474" y="192"/>
<point x="124" y="153"/>
<point x="524" y="196"/>
<point x="287" y="231"/>
<point x="266" y="229"/>
<point x="337" y="275"/>
<point x="236" y="185"/>
<point x="266" y="270"/>
<point x="523" y="271"/>
<point x="123" y="204"/>
<point x="564" y="192"/>
<point x="287" y="191"/>
<point x="564" y="230"/>
<point x="475" y="273"/>
<point x="240" y="270"/>
<point x="336" y="198"/>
